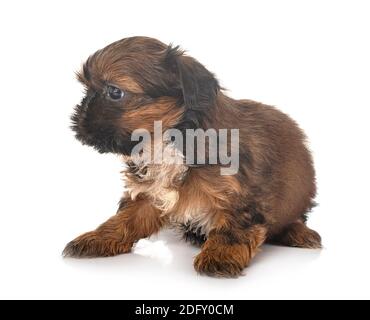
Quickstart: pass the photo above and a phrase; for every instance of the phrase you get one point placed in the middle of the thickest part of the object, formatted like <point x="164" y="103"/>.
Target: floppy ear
<point x="199" y="87"/>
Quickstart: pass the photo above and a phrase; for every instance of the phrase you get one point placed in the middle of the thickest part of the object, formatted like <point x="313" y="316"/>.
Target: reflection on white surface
<point x="161" y="267"/>
<point x="167" y="250"/>
<point x="163" y="263"/>
<point x="155" y="249"/>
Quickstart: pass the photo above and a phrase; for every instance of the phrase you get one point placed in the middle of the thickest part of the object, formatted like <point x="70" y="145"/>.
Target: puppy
<point x="136" y="82"/>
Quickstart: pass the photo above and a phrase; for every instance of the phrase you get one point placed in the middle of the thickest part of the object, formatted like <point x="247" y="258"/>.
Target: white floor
<point x="161" y="268"/>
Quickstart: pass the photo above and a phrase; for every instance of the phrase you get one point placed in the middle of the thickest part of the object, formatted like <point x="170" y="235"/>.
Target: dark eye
<point x="115" y="93"/>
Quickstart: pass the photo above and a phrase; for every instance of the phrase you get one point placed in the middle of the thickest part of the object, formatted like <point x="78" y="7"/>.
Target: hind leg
<point x="298" y="235"/>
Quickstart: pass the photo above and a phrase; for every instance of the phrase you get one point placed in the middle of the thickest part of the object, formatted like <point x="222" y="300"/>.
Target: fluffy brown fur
<point x="229" y="216"/>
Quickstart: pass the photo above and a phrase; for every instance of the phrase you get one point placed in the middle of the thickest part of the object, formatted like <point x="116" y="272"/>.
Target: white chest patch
<point x="160" y="183"/>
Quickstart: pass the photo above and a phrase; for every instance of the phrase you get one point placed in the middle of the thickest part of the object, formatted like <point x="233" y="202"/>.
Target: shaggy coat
<point x="229" y="216"/>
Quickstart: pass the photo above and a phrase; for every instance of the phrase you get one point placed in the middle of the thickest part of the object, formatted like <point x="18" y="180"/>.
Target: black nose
<point x="89" y="97"/>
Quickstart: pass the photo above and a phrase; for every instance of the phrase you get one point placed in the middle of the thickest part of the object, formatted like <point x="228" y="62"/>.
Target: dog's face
<point x="134" y="82"/>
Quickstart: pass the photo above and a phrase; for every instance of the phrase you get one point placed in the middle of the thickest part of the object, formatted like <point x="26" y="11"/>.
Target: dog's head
<point x="135" y="81"/>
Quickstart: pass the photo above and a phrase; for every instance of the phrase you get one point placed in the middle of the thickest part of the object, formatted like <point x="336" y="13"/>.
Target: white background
<point x="311" y="59"/>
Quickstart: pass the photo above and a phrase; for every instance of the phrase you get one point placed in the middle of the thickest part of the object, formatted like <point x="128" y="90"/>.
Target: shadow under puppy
<point x="135" y="81"/>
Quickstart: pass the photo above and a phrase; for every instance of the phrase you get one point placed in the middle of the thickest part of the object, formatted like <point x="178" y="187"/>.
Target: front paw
<point x="91" y="244"/>
<point x="225" y="261"/>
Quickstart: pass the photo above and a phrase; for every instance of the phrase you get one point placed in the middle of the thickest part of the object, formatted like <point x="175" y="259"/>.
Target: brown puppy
<point x="135" y="81"/>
